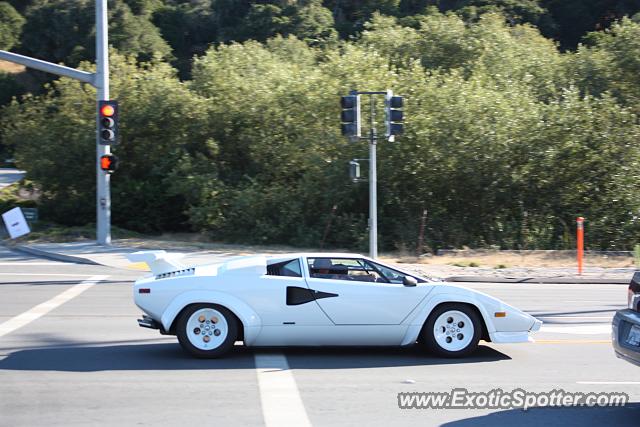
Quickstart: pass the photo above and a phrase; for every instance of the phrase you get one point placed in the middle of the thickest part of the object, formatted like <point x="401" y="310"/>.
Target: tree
<point x="610" y="63"/>
<point x="162" y="125"/>
<point x="189" y="28"/>
<point x="11" y="23"/>
<point x="63" y="31"/>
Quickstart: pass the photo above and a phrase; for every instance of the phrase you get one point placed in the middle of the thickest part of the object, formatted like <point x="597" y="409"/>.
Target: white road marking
<point x="578" y="329"/>
<point x="45" y="274"/>
<point x="609" y="382"/>
<point x="281" y="401"/>
<point x="27" y="263"/>
<point x="41" y="309"/>
<point x="577" y="317"/>
<point x="582" y="300"/>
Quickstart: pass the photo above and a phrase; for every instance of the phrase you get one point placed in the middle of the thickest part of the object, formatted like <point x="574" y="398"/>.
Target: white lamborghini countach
<point x="323" y="299"/>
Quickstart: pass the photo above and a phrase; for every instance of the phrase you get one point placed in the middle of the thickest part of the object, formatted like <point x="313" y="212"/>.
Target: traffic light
<point x="108" y="122"/>
<point x="108" y="163"/>
<point x="393" y="115"/>
<point x="354" y="170"/>
<point x="350" y="116"/>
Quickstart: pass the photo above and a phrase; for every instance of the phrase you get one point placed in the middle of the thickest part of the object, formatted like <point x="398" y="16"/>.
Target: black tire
<point x="427" y="337"/>
<point x="220" y="350"/>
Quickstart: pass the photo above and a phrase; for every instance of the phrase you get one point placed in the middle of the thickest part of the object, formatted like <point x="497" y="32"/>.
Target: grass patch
<point x="56" y="233"/>
<point x="500" y="266"/>
<point x="465" y="264"/>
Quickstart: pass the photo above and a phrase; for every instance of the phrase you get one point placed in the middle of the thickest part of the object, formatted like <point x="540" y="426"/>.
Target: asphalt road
<point x="71" y="353"/>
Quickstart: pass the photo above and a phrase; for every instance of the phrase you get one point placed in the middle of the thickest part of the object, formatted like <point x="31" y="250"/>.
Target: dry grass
<point x="504" y="260"/>
<point x="10" y="67"/>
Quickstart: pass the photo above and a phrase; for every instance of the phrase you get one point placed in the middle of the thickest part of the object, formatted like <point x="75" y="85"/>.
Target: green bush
<point x="505" y="142"/>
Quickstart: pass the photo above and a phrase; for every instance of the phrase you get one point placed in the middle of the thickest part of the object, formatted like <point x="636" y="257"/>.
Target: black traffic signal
<point x="350" y="116"/>
<point x="108" y="163"/>
<point x="393" y="115"/>
<point x="108" y="122"/>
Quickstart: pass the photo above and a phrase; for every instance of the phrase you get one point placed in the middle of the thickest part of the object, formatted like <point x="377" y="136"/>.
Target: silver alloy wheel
<point x="453" y="330"/>
<point x="207" y="329"/>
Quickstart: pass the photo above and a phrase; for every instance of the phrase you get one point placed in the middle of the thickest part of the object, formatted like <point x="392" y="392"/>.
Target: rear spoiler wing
<point x="158" y="261"/>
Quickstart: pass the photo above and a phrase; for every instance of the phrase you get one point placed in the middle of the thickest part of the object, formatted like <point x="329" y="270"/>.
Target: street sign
<point x="16" y="223"/>
<point x="30" y="214"/>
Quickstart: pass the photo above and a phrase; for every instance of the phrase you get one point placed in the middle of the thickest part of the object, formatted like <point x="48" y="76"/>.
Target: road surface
<point x="71" y="353"/>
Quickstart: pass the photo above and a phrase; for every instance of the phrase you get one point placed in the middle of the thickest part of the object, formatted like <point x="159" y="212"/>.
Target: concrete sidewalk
<point x="115" y="256"/>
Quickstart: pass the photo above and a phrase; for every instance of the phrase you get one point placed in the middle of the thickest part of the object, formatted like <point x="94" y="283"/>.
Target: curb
<point x="52" y="255"/>
<point x="539" y="280"/>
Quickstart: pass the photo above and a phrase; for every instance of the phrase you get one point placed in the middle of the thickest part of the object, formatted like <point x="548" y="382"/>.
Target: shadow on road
<point x="376" y="357"/>
<point x="169" y="356"/>
<point x="626" y="416"/>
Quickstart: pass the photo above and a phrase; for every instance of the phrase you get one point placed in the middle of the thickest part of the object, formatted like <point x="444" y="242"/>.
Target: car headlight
<point x="632" y="299"/>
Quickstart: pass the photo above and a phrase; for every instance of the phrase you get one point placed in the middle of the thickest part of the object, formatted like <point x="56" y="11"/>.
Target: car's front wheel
<point x="452" y="330"/>
<point x="207" y="330"/>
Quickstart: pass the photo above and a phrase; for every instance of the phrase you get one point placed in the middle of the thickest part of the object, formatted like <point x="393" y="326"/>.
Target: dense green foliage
<point x="508" y="137"/>
<point x="11" y="23"/>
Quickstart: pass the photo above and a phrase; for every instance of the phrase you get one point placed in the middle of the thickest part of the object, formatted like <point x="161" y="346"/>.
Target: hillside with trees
<point x="521" y="115"/>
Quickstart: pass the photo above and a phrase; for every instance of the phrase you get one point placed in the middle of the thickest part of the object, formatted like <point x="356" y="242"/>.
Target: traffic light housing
<point x="354" y="170"/>
<point x="350" y="116"/>
<point x="108" y="163"/>
<point x="108" y="122"/>
<point x="393" y="115"/>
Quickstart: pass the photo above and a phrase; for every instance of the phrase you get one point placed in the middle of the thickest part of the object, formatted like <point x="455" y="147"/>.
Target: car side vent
<point x="186" y="272"/>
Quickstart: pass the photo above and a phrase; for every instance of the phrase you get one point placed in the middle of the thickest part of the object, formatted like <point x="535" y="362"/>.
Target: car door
<point x="351" y="291"/>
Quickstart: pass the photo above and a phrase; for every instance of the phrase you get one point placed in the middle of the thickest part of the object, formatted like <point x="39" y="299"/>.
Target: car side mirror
<point x="409" y="281"/>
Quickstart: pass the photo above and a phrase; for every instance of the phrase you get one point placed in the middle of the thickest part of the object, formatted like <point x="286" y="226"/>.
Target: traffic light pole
<point x="100" y="80"/>
<point x="103" y="196"/>
<point x="373" y="183"/>
<point x="350" y="119"/>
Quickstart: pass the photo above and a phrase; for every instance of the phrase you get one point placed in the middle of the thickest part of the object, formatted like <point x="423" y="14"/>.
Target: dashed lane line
<point x="279" y="395"/>
<point x="40" y="310"/>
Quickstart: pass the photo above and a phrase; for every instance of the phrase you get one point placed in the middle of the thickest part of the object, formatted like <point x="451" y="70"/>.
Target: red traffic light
<point x="108" y="163"/>
<point x="108" y="113"/>
<point x="107" y="110"/>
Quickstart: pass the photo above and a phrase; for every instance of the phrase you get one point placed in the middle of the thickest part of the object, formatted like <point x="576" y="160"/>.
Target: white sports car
<point x="316" y="300"/>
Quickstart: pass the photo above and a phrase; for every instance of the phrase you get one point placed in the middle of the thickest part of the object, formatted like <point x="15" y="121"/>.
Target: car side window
<point x="393" y="276"/>
<point x="286" y="268"/>
<point x="344" y="269"/>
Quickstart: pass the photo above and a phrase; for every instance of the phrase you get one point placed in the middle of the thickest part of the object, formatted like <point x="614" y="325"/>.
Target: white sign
<point x="15" y="223"/>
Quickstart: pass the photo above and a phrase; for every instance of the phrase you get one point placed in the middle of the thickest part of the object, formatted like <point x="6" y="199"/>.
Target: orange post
<point x="580" y="239"/>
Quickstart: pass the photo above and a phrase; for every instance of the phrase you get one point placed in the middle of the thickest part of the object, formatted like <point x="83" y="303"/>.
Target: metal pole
<point x="373" y="190"/>
<point x="580" y="242"/>
<point x="47" y="67"/>
<point x="103" y="216"/>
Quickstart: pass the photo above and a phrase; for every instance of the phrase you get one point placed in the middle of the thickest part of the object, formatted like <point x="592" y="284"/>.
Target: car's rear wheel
<point x="452" y="330"/>
<point x="207" y="330"/>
